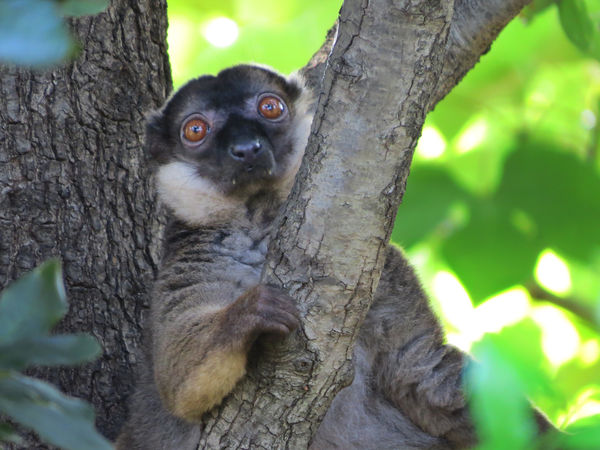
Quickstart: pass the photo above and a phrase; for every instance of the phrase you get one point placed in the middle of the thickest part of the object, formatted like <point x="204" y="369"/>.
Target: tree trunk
<point x="390" y="64"/>
<point x="74" y="183"/>
<point x="330" y="249"/>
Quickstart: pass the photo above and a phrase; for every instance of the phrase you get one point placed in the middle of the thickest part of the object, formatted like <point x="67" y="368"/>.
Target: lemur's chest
<point x="228" y="258"/>
<point x="242" y="253"/>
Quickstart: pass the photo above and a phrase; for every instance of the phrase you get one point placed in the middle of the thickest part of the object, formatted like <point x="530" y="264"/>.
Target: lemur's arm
<point x="413" y="368"/>
<point x="200" y="345"/>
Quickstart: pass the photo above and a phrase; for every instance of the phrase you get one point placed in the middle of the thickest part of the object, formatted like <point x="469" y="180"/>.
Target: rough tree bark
<point x="390" y="64"/>
<point x="74" y="183"/>
<point x="330" y="250"/>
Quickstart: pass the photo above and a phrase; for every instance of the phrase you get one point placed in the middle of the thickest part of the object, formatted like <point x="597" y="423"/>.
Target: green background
<point x="515" y="189"/>
<point x="501" y="216"/>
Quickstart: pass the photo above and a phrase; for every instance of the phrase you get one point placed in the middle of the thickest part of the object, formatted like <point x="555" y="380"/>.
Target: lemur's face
<point x="237" y="130"/>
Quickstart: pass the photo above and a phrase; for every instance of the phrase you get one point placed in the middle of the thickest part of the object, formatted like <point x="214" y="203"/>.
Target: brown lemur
<point x="228" y="148"/>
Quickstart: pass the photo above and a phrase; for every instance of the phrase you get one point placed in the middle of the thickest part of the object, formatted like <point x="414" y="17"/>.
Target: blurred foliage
<point x="29" y="309"/>
<point x="33" y="32"/>
<point x="502" y="209"/>
<point x="283" y="35"/>
<point x="580" y="20"/>
<point x="501" y="214"/>
<point x="508" y="171"/>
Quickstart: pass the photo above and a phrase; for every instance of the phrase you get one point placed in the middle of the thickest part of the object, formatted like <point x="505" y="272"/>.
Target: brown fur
<point x="207" y="308"/>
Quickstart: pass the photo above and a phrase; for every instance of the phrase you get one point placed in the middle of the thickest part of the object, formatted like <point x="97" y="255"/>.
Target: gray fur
<point x="406" y="392"/>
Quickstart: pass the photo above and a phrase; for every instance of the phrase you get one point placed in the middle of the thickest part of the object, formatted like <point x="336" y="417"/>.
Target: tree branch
<point x="475" y="25"/>
<point x="367" y="122"/>
<point x="573" y="305"/>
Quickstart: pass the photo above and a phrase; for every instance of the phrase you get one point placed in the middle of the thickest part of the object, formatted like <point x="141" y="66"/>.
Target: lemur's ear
<point x="157" y="142"/>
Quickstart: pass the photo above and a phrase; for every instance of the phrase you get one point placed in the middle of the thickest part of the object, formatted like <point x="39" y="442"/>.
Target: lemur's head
<point x="221" y="139"/>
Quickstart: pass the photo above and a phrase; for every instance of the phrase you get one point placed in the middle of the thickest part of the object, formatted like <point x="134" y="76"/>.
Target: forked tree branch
<point x="475" y="25"/>
<point x="390" y="64"/>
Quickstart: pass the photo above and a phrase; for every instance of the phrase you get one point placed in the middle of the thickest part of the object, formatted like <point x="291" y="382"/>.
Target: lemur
<point x="228" y="148"/>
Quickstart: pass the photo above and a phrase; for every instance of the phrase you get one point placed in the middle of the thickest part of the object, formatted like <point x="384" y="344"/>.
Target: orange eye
<point x="271" y="107"/>
<point x="194" y="130"/>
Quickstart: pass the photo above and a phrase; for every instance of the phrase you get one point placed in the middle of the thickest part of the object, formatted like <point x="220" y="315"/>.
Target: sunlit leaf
<point x="32" y="305"/>
<point x="32" y="33"/>
<point x="60" y="420"/>
<point x="82" y="7"/>
<point x="49" y="351"/>
<point x="583" y="434"/>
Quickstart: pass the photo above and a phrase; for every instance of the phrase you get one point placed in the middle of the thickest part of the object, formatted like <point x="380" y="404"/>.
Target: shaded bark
<point x="74" y="183"/>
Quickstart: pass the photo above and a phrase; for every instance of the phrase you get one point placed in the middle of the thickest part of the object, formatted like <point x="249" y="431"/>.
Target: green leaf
<point x="535" y="8"/>
<point x="509" y="366"/>
<point x="497" y="393"/>
<point x="520" y="346"/>
<point x="49" y="351"/>
<point x="32" y="305"/>
<point x="583" y="434"/>
<point x="79" y="8"/>
<point x="560" y="193"/>
<point x="491" y="253"/>
<point x="7" y="434"/>
<point x="32" y="33"/>
<point x="430" y="196"/>
<point x="579" y="27"/>
<point x="60" y="420"/>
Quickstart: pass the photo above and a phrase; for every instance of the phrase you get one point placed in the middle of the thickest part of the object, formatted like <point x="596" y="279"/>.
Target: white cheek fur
<point x="196" y="201"/>
<point x="193" y="199"/>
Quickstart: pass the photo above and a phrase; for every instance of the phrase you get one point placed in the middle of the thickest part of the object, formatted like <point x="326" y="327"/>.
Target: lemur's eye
<point x="271" y="107"/>
<point x="194" y="130"/>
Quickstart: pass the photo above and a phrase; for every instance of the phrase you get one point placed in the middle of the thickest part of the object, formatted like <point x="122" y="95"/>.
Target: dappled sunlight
<point x="432" y="143"/>
<point x="220" y="32"/>
<point x="552" y="272"/>
<point x="206" y="38"/>
<point x="454" y="300"/>
<point x="560" y="339"/>
<point x="541" y="97"/>
<point x="584" y="406"/>
<point x="180" y="45"/>
<point x="589" y="352"/>
<point x="472" y="136"/>
<point x="506" y="308"/>
<point x="499" y="311"/>
<point x="588" y="119"/>
<point x="589" y="408"/>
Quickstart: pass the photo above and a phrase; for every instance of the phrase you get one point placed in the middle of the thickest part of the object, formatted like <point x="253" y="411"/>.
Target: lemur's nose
<point x="245" y="151"/>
